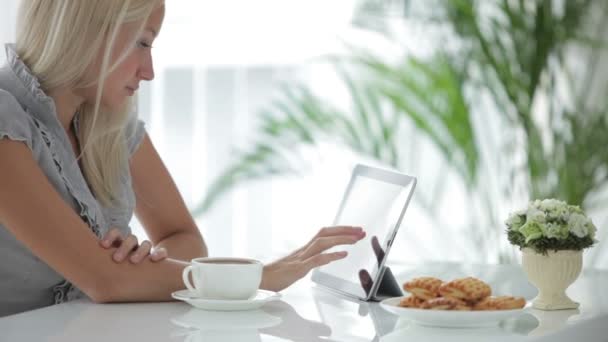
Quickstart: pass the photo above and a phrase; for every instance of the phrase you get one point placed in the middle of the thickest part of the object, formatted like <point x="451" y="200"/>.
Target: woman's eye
<point x="144" y="44"/>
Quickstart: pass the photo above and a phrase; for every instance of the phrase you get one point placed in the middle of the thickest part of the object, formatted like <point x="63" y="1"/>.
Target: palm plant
<point x="514" y="55"/>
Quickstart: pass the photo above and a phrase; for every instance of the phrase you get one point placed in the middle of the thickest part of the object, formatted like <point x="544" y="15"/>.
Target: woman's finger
<point x="323" y="259"/>
<point x="339" y="230"/>
<point x="128" y="245"/>
<point x="113" y="238"/>
<point x="159" y="254"/>
<point x="323" y="233"/>
<point x="322" y="244"/>
<point x="141" y="252"/>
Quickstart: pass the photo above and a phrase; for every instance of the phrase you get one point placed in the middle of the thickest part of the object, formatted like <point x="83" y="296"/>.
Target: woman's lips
<point x="131" y="90"/>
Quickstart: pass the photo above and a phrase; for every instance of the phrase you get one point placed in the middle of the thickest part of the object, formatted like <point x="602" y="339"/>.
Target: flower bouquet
<point x="551" y="235"/>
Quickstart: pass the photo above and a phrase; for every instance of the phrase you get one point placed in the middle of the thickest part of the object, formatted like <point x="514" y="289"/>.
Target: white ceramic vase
<point x="552" y="274"/>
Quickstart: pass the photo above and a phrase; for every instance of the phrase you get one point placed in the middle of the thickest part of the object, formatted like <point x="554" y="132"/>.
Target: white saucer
<point x="451" y="319"/>
<point x="261" y="298"/>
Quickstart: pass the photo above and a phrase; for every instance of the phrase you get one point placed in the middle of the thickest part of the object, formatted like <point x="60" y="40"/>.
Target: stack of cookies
<point x="459" y="294"/>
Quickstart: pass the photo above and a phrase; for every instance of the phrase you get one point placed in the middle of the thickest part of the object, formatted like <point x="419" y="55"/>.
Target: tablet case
<point x="389" y="287"/>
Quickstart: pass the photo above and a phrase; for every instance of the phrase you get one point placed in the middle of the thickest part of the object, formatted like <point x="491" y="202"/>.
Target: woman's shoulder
<point x="135" y="131"/>
<point x="8" y="101"/>
<point x="15" y="122"/>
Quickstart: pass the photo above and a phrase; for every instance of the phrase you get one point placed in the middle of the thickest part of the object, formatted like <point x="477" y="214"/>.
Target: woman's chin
<point x="116" y="105"/>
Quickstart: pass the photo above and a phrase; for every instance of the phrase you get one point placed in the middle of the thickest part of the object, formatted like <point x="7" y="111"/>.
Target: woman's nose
<point x="146" y="74"/>
<point x="146" y="70"/>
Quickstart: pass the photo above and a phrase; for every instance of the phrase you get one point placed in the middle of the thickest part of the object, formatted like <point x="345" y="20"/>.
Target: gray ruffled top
<point x="28" y="115"/>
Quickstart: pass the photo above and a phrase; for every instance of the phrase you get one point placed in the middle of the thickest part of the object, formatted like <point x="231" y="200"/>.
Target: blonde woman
<point x="75" y="164"/>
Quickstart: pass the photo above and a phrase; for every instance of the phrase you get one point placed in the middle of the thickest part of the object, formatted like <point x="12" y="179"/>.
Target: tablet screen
<point x="377" y="206"/>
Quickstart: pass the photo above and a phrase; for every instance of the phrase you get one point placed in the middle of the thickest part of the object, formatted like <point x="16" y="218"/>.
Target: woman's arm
<point x="37" y="216"/>
<point x="161" y="209"/>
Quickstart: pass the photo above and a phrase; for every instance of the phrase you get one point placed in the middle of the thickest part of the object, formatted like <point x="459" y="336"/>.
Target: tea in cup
<point x="223" y="278"/>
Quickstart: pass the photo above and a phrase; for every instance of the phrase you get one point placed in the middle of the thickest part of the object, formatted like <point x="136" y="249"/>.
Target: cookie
<point x="467" y="289"/>
<point x="500" y="303"/>
<point x="423" y="287"/>
<point x="444" y="303"/>
<point x="411" y="302"/>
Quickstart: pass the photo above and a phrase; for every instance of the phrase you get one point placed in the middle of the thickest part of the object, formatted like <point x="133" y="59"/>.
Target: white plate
<point x="449" y="318"/>
<point x="261" y="298"/>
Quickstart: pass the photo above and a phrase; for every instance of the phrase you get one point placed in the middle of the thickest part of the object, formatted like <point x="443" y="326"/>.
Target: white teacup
<point x="223" y="278"/>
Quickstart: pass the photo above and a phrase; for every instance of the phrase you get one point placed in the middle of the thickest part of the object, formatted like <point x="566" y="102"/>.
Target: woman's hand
<point x="129" y="248"/>
<point x="284" y="272"/>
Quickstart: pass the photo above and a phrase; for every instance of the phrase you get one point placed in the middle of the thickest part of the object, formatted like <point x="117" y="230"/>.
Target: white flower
<point x="554" y="230"/>
<point x="535" y="215"/>
<point x="563" y="214"/>
<point x="514" y="221"/>
<point x="551" y="204"/>
<point x="578" y="225"/>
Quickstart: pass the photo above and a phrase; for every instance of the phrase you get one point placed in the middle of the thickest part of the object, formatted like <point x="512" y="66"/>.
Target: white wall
<point x="7" y="24"/>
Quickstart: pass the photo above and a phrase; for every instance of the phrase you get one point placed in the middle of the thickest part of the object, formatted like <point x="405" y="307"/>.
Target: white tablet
<point x="375" y="199"/>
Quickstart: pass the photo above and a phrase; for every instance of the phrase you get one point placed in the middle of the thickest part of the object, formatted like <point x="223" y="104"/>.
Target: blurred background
<point x="260" y="109"/>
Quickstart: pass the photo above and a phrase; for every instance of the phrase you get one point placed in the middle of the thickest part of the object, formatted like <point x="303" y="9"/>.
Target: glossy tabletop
<point x="307" y="312"/>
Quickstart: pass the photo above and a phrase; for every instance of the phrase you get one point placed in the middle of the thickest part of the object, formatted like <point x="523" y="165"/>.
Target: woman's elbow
<point x="99" y="297"/>
<point x="102" y="290"/>
<point x="205" y="251"/>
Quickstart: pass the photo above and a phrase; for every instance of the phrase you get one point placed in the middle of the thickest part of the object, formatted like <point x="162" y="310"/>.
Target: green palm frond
<point x="299" y="118"/>
<point x="430" y="94"/>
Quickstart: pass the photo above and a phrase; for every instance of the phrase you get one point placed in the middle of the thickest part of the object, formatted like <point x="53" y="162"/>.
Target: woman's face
<point x="123" y="80"/>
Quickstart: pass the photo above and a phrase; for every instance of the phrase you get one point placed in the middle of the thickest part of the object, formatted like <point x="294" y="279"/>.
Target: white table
<point x="309" y="313"/>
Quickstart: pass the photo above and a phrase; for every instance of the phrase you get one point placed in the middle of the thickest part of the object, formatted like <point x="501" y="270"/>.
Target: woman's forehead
<point x="155" y="20"/>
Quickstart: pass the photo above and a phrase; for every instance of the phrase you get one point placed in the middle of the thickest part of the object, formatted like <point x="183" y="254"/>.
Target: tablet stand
<point x="389" y="287"/>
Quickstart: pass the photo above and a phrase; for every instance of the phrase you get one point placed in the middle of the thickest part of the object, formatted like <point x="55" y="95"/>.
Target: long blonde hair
<point x="58" y="40"/>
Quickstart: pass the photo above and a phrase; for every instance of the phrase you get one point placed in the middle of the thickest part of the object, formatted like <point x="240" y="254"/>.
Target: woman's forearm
<point x="184" y="246"/>
<point x="153" y="281"/>
<point x="145" y="282"/>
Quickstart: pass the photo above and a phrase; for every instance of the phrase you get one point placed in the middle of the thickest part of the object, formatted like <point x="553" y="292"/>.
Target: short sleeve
<point x="15" y="123"/>
<point x="135" y="133"/>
